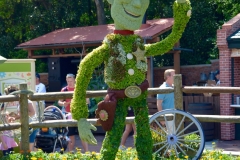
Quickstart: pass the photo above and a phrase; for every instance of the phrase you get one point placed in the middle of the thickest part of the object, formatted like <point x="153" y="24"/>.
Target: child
<point x="7" y="143"/>
<point x="31" y="113"/>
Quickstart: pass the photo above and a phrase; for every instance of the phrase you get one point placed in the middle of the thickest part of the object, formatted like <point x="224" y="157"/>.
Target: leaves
<point x="200" y="34"/>
<point x="23" y="20"/>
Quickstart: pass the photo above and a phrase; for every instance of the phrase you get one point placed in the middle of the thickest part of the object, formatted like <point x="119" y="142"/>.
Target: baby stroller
<point x="52" y="139"/>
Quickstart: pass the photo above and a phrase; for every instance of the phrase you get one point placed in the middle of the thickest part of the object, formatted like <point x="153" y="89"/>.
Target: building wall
<point x="227" y="129"/>
<point x="190" y="74"/>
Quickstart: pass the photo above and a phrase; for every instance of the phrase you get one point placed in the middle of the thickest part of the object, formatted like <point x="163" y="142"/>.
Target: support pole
<point x="178" y="95"/>
<point x="24" y="119"/>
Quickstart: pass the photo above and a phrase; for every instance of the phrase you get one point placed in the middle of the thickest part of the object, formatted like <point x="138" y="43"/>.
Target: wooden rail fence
<point x="178" y="101"/>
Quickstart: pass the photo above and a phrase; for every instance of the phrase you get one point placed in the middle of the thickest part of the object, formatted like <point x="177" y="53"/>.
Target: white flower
<point x="106" y="41"/>
<point x="189" y="13"/>
<point x="131" y="72"/>
<point x="142" y="66"/>
<point x="129" y="56"/>
<point x="120" y="48"/>
<point x="122" y="55"/>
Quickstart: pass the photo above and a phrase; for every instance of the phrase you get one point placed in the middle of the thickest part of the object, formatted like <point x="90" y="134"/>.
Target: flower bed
<point x="128" y="154"/>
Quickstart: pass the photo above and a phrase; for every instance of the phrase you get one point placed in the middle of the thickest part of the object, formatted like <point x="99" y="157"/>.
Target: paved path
<point x="228" y="147"/>
<point x="99" y="138"/>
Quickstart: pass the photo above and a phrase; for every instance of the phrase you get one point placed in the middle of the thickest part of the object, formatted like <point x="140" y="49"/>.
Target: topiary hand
<point x="84" y="130"/>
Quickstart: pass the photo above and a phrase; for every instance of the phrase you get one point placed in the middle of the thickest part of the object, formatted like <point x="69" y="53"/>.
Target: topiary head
<point x="128" y="14"/>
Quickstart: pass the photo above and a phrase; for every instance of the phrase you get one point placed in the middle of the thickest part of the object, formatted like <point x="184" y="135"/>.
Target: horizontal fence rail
<point x="65" y="95"/>
<point x="129" y="120"/>
<point x="178" y="101"/>
<point x="189" y="89"/>
<point x="102" y="93"/>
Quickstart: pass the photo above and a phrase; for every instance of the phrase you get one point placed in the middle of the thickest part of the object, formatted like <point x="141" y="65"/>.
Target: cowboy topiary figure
<point x="124" y="55"/>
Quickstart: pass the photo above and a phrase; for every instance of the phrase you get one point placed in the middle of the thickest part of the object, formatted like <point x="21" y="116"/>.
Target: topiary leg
<point x="113" y="137"/>
<point x="143" y="141"/>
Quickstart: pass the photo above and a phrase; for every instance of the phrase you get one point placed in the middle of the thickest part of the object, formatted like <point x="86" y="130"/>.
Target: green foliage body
<point x="114" y="53"/>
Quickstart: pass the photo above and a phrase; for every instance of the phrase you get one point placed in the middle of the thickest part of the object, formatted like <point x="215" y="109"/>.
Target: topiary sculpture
<point x="124" y="55"/>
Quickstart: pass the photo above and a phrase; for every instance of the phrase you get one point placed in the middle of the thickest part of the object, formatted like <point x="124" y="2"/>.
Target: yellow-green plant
<point x="125" y="62"/>
<point x="192" y="141"/>
<point x="158" y="138"/>
<point x="193" y="144"/>
<point x="128" y="154"/>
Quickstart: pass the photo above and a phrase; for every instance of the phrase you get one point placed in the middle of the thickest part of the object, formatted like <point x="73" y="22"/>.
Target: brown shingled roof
<point x="93" y="35"/>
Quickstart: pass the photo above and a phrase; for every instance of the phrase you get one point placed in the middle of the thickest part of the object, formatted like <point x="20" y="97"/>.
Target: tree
<point x="227" y="8"/>
<point x="22" y="20"/>
<point x="100" y="12"/>
<point x="199" y="35"/>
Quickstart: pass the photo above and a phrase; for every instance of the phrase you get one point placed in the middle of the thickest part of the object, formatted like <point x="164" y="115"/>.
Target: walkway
<point x="228" y="147"/>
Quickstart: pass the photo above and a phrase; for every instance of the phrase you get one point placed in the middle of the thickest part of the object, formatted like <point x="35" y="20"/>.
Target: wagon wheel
<point x="170" y="139"/>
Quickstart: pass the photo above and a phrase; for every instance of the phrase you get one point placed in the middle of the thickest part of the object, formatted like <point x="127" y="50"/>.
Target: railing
<point x="178" y="101"/>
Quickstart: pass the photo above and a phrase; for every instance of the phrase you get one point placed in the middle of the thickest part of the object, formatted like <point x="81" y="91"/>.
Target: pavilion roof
<point x="92" y="35"/>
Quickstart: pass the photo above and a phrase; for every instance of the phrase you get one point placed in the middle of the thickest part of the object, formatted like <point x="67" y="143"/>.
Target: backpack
<point x="65" y="89"/>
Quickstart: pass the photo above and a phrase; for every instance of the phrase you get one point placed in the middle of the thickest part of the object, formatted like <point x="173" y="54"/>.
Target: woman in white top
<point x="39" y="88"/>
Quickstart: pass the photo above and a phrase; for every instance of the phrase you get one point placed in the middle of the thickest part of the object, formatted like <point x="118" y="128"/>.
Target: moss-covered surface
<point x="181" y="19"/>
<point x="116" y="68"/>
<point x="79" y="107"/>
<point x="143" y="139"/>
<point x="121" y="55"/>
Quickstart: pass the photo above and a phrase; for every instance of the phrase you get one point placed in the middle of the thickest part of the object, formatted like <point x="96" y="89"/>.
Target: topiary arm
<point x="79" y="107"/>
<point x="181" y="14"/>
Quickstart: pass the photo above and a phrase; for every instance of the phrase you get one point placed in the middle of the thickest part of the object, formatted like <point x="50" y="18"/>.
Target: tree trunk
<point x="90" y="12"/>
<point x="100" y="12"/>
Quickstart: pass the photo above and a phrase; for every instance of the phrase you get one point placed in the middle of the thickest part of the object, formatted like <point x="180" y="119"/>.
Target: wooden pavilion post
<point x="30" y="53"/>
<point x="176" y="59"/>
<point x="24" y="118"/>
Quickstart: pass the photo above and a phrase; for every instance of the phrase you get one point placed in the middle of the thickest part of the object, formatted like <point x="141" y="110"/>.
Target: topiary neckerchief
<point x="123" y="32"/>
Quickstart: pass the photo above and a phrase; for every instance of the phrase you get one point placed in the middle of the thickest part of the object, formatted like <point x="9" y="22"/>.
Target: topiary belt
<point x="106" y="108"/>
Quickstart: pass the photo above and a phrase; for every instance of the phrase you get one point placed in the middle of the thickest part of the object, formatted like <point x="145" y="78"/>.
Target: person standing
<point x="166" y="101"/>
<point x="128" y="129"/>
<point x="72" y="131"/>
<point x="40" y="87"/>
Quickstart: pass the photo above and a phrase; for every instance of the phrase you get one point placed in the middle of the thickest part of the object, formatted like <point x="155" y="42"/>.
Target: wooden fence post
<point x="178" y="97"/>
<point x="24" y="119"/>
